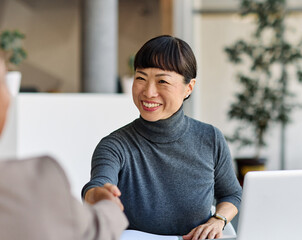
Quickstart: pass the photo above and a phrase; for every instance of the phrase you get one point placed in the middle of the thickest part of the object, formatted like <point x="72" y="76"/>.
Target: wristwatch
<point x="219" y="216"/>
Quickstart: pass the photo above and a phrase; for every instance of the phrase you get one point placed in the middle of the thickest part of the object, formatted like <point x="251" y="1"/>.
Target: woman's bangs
<point x="164" y="59"/>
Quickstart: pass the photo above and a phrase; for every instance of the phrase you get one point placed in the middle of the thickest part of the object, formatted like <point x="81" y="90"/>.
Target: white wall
<point x="66" y="126"/>
<point x="217" y="82"/>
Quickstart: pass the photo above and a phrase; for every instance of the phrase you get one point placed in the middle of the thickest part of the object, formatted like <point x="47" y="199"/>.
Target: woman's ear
<point x="190" y="87"/>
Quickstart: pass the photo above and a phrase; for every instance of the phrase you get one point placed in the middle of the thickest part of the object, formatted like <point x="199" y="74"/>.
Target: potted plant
<point x="14" y="54"/>
<point x="264" y="98"/>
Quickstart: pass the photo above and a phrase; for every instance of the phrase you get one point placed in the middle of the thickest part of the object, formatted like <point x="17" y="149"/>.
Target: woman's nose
<point x="150" y="90"/>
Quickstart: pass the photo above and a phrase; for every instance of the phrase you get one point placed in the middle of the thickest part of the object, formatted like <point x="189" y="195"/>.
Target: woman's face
<point x="4" y="96"/>
<point x="158" y="94"/>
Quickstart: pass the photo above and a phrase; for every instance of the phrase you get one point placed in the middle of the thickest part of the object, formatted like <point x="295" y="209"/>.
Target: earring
<point x="188" y="95"/>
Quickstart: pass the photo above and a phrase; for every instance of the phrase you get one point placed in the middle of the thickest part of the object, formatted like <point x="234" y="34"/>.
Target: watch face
<point x="217" y="215"/>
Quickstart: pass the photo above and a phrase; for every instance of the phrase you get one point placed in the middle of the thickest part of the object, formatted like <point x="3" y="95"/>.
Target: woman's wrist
<point x="221" y="219"/>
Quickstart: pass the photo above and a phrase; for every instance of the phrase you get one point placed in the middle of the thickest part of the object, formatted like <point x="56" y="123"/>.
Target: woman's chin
<point x="150" y="116"/>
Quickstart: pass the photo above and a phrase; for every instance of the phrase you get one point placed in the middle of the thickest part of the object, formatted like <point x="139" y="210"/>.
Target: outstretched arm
<point x="102" y="218"/>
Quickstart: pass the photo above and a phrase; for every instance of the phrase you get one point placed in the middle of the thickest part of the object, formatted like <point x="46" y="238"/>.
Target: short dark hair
<point x="167" y="53"/>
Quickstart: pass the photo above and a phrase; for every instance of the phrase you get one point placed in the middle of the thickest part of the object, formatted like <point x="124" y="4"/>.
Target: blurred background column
<point x="99" y="45"/>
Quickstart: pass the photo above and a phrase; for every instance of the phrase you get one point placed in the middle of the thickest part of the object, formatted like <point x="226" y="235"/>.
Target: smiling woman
<point x="165" y="72"/>
<point x="158" y="94"/>
<point x="168" y="167"/>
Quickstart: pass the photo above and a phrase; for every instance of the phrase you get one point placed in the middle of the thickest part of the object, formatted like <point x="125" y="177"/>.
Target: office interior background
<point x="57" y="50"/>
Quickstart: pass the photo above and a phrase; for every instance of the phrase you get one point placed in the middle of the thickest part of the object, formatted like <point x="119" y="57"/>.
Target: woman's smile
<point x="150" y="105"/>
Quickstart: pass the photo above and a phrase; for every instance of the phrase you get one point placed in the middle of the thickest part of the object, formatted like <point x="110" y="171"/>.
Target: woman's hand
<point x="213" y="227"/>
<point x="107" y="192"/>
<point x="210" y="230"/>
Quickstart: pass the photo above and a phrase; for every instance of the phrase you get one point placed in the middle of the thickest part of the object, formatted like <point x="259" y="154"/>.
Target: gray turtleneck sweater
<point x="169" y="172"/>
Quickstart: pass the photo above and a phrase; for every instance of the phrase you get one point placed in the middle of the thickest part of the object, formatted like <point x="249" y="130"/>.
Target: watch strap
<point x="219" y="216"/>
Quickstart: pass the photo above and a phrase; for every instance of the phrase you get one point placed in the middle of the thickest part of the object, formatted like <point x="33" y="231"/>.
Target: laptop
<point x="271" y="207"/>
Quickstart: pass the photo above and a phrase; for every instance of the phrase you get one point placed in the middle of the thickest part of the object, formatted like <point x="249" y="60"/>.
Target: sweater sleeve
<point x="107" y="161"/>
<point x="227" y="187"/>
<point x="101" y="221"/>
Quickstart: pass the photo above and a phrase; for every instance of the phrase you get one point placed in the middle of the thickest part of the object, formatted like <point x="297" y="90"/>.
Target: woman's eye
<point x="140" y="78"/>
<point x="162" y="81"/>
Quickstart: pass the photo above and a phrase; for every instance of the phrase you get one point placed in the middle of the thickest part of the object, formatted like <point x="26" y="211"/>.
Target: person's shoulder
<point x="33" y="188"/>
<point x="199" y="125"/>
<point x="117" y="139"/>
<point x="39" y="167"/>
<point x="124" y="129"/>
<point x="120" y="133"/>
<point x="204" y="128"/>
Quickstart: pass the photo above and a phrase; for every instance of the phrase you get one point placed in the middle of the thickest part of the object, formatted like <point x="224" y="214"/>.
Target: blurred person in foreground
<point x="36" y="203"/>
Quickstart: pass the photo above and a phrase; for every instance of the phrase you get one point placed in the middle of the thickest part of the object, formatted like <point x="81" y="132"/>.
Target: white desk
<point x="66" y="126"/>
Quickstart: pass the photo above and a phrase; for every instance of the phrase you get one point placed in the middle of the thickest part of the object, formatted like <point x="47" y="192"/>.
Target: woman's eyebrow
<point x="141" y="72"/>
<point x="157" y="75"/>
<point x="162" y="74"/>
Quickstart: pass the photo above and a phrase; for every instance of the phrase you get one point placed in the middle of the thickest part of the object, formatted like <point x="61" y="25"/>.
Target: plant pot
<point x="13" y="82"/>
<point x="245" y="165"/>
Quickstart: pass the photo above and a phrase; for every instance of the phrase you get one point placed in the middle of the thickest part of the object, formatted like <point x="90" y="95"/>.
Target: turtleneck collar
<point x="163" y="131"/>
